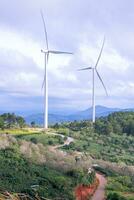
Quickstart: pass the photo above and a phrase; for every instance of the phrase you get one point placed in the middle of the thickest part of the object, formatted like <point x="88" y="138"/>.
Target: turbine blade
<point x="45" y="30"/>
<point x="101" y="81"/>
<point x="100" y="53"/>
<point x="60" y="52"/>
<point x="85" y="69"/>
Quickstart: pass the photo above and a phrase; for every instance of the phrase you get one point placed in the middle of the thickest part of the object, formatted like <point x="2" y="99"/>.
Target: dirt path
<point x="100" y="192"/>
<point x="66" y="142"/>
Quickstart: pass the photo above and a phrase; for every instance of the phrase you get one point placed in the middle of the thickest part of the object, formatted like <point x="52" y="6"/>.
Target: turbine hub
<point x="44" y="51"/>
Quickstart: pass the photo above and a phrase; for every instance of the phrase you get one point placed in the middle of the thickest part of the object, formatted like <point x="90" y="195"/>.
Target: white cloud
<point x="110" y="57"/>
<point x="14" y="41"/>
<point x="22" y="64"/>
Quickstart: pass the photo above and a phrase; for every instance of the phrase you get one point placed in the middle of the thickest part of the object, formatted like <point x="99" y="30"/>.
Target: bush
<point x="115" y="196"/>
<point x="34" y="140"/>
<point x="61" y="140"/>
<point x="50" y="142"/>
<point x="115" y="186"/>
<point x="82" y="177"/>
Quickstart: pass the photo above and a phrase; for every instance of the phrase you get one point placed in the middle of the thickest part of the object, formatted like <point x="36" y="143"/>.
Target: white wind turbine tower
<point x="94" y="70"/>
<point x="46" y="53"/>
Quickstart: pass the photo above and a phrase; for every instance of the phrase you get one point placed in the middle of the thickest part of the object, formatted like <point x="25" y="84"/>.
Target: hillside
<point x="37" y="169"/>
<point x="41" y="163"/>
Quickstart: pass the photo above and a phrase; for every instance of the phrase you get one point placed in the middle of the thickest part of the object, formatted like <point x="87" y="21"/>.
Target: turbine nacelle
<point x="44" y="51"/>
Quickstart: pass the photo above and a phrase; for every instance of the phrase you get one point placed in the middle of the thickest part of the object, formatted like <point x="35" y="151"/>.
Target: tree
<point x="109" y="128"/>
<point x="1" y="123"/>
<point x="56" y="126"/>
<point x="20" y="121"/>
<point x="12" y="121"/>
<point x="33" y="124"/>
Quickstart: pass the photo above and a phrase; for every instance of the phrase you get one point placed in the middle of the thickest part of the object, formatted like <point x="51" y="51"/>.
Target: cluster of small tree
<point x="117" y="196"/>
<point x="118" y="122"/>
<point x="10" y="120"/>
<point x="82" y="176"/>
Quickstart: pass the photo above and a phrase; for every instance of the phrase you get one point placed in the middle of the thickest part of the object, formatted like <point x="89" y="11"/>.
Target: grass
<point x="18" y="131"/>
<point x="35" y="135"/>
<point x="42" y="138"/>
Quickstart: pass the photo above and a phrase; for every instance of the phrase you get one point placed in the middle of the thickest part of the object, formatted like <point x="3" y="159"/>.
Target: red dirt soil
<point x="96" y="190"/>
<point x="84" y="192"/>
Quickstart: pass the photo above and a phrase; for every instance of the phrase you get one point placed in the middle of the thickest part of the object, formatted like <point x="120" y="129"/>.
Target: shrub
<point x="115" y="196"/>
<point x="82" y="177"/>
<point x="34" y="140"/>
<point x="50" y="142"/>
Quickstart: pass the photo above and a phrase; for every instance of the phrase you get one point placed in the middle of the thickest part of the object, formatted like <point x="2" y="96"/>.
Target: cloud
<point x="76" y="26"/>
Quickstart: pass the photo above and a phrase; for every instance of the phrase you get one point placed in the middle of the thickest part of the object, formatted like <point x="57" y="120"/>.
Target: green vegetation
<point x="115" y="196"/>
<point x="114" y="148"/>
<point x="8" y="120"/>
<point x="29" y="165"/>
<point x="101" y="144"/>
<point x="120" y="188"/>
<point x="17" y="131"/>
<point x="82" y="177"/>
<point x="19" y="175"/>
<point x="43" y="138"/>
<point x="30" y="168"/>
<point x="118" y="123"/>
<point x="112" y="140"/>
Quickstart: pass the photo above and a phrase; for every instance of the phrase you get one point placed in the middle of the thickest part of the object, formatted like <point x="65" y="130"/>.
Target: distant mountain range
<point x="81" y="115"/>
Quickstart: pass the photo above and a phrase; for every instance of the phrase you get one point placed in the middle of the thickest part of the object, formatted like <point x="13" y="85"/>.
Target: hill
<point x="101" y="111"/>
<point x="52" y="171"/>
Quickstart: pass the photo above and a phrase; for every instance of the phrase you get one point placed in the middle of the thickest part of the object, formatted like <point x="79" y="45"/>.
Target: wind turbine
<point x="46" y="53"/>
<point x="94" y="70"/>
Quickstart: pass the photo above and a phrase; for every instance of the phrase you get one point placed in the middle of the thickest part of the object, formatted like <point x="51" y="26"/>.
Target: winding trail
<point x="100" y="192"/>
<point x="66" y="142"/>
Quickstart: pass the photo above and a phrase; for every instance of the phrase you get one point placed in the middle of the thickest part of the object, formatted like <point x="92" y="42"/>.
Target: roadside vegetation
<point x="120" y="188"/>
<point x="120" y="181"/>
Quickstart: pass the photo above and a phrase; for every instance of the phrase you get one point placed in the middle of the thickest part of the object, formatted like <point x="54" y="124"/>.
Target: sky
<point x="77" y="26"/>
